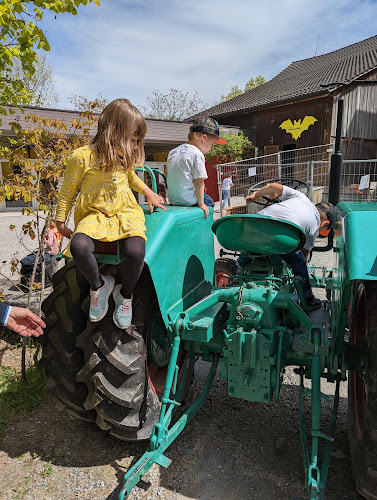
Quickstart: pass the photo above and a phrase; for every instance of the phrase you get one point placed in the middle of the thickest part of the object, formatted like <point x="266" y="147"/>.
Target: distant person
<point x="186" y="164"/>
<point x="227" y="184"/>
<point x="162" y="192"/>
<point x="52" y="239"/>
<point x="21" y="320"/>
<point x="103" y="175"/>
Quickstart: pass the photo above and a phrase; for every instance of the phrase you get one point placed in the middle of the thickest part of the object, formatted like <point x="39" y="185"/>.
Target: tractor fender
<point x="356" y="240"/>
<point x="180" y="256"/>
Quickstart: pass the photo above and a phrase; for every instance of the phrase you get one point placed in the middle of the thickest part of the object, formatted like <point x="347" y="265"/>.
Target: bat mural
<point x="298" y="126"/>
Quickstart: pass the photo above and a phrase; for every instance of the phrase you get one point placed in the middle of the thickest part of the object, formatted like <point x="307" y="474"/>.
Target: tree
<point x="238" y="148"/>
<point x="254" y="82"/>
<point x="20" y="38"/>
<point x="235" y="90"/>
<point x="81" y="103"/>
<point x="39" y="86"/>
<point x="176" y="105"/>
<point x="52" y="142"/>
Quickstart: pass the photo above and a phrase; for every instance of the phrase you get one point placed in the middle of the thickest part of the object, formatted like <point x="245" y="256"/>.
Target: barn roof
<point x="302" y="79"/>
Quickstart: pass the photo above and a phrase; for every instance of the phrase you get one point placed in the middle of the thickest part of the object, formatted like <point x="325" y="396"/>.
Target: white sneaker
<point x="99" y="299"/>
<point x="123" y="309"/>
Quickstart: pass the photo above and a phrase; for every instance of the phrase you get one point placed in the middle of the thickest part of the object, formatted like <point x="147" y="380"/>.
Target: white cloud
<point x="126" y="48"/>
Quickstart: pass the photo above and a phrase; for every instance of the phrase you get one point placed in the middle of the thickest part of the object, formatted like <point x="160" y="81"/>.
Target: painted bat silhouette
<point x="298" y="126"/>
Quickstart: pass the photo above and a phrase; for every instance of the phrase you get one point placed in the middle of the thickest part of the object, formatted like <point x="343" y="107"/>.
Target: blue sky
<point x="127" y="48"/>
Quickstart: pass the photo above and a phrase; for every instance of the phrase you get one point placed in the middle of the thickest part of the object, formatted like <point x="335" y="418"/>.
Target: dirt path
<point x="232" y="449"/>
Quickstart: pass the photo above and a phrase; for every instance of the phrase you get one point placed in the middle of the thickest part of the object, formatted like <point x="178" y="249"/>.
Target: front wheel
<point x="362" y="391"/>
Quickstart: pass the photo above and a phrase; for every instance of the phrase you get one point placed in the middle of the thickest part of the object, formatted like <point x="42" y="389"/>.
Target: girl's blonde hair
<point x="118" y="122"/>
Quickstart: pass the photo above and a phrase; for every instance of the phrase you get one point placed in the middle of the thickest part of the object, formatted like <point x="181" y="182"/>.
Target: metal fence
<point x="310" y="165"/>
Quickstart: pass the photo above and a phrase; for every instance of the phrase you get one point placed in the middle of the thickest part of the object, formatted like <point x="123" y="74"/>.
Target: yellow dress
<point x="106" y="209"/>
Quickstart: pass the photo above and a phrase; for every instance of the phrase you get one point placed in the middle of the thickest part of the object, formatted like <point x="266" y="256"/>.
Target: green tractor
<point x="252" y="322"/>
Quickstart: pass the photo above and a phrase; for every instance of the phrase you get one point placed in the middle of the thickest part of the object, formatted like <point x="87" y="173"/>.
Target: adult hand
<point x="63" y="229"/>
<point x="205" y="209"/>
<point x="153" y="200"/>
<point x="25" y="322"/>
<point x="249" y="198"/>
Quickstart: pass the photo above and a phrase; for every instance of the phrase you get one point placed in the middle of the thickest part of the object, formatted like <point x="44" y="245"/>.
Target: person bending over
<point x="295" y="207"/>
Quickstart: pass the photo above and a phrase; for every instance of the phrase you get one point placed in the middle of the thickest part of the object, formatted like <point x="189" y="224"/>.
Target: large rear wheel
<point x="124" y="370"/>
<point x="61" y="358"/>
<point x="101" y="373"/>
<point x="362" y="391"/>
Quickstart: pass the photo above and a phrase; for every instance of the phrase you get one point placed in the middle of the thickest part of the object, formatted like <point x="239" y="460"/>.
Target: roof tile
<point x="303" y="78"/>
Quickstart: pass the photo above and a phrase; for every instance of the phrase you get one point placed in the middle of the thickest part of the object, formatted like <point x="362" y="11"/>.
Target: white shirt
<point x="297" y="208"/>
<point x="227" y="183"/>
<point x="185" y="163"/>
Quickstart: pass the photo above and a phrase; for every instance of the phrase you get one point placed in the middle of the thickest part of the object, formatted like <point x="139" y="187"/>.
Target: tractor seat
<point x="258" y="234"/>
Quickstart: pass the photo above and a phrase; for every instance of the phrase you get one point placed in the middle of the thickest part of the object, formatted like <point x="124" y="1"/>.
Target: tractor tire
<point x="61" y="359"/>
<point x="224" y="269"/>
<point x="124" y="370"/>
<point x="362" y="391"/>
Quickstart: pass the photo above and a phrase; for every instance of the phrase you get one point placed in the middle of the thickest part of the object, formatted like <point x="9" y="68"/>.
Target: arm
<point x="199" y="191"/>
<point x="4" y="313"/>
<point x="24" y="322"/>
<point x="135" y="183"/>
<point x="153" y="199"/>
<point x="71" y="186"/>
<point x="273" y="188"/>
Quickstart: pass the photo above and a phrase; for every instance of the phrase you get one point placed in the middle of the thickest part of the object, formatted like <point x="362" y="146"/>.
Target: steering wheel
<point x="292" y="183"/>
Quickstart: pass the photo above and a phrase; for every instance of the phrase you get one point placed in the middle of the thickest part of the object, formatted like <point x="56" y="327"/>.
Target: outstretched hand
<point x="153" y="200"/>
<point x="25" y="322"/>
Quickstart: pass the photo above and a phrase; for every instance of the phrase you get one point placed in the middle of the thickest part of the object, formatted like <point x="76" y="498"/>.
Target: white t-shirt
<point x="297" y="208"/>
<point x="185" y="163"/>
<point x="227" y="183"/>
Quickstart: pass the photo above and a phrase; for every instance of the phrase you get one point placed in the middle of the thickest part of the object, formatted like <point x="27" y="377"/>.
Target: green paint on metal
<point x="258" y="234"/>
<point x="356" y="240"/>
<point x="145" y="168"/>
<point x="152" y="456"/>
<point x="255" y="326"/>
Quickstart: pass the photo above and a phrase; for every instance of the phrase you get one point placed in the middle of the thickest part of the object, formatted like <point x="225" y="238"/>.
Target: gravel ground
<point x="232" y="449"/>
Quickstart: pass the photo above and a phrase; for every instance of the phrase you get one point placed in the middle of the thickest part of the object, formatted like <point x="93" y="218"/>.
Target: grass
<point x="18" y="398"/>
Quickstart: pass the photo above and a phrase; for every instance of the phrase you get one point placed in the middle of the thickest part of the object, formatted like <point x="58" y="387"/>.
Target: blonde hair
<point x="118" y="122"/>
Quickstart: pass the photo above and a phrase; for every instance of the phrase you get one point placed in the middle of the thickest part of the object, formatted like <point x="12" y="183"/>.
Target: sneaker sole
<point x="118" y="325"/>
<point x="114" y="317"/>
<point x="111" y="287"/>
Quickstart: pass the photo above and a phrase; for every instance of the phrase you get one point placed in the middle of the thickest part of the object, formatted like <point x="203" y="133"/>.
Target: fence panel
<point x="310" y="165"/>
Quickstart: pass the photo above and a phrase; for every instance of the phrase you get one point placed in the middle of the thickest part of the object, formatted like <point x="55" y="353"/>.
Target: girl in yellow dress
<point x="102" y="174"/>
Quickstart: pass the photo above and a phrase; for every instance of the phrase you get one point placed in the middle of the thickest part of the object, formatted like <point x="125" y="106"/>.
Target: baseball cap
<point x="208" y="126"/>
<point x="328" y="209"/>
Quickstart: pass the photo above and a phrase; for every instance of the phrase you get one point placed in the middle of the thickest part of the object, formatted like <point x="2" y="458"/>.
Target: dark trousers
<point x="297" y="262"/>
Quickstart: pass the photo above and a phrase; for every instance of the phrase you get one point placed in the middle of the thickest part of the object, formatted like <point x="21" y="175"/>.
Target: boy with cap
<point x="186" y="164"/>
<point x="295" y="207"/>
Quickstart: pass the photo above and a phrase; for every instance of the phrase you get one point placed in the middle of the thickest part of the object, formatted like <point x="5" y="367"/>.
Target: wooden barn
<point x="298" y="107"/>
